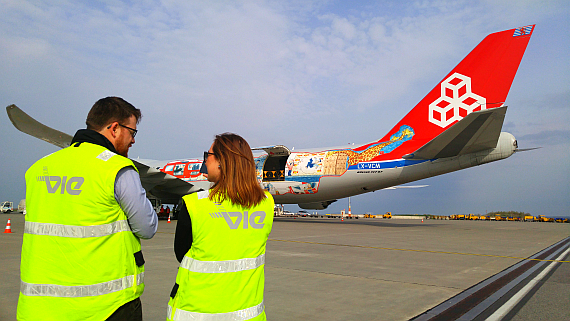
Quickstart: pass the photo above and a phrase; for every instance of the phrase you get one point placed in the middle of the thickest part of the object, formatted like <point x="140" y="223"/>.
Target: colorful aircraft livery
<point x="481" y="81"/>
<point x="455" y="126"/>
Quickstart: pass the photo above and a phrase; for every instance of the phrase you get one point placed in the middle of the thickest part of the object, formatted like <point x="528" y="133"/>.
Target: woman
<point x="220" y="240"/>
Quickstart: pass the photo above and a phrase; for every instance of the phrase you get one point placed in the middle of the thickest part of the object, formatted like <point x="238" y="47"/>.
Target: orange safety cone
<point x="168" y="219"/>
<point x="8" y="227"/>
<point x="342" y="219"/>
<point x="422" y="220"/>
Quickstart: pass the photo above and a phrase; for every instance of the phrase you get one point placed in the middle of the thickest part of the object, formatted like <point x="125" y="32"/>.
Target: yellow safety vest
<point x="80" y="260"/>
<point x="222" y="275"/>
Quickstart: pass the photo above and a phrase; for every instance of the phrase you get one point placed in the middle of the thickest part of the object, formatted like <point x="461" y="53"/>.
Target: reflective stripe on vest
<point x="193" y="265"/>
<point x="76" y="231"/>
<point x="240" y="315"/>
<point x="78" y="291"/>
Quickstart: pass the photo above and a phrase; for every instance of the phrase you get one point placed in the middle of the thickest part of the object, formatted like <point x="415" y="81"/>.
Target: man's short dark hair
<point x="111" y="109"/>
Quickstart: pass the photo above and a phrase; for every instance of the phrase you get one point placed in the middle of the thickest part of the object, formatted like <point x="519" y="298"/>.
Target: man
<point x="86" y="213"/>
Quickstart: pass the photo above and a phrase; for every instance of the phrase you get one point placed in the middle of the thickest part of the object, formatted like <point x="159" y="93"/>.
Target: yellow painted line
<point x="423" y="251"/>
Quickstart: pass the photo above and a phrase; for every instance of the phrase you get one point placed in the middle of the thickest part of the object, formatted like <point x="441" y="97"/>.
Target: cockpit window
<point x="179" y="169"/>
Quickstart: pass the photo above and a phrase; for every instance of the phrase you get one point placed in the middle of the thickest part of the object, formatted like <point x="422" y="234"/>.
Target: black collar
<point x="93" y="137"/>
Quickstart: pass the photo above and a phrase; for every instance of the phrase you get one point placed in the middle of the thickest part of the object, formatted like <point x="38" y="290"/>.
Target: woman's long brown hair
<point x="238" y="179"/>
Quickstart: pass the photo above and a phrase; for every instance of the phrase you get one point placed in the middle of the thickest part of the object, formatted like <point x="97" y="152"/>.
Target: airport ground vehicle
<point x="529" y="218"/>
<point x="303" y="213"/>
<point x="155" y="203"/>
<point x="7" y="207"/>
<point x="369" y="215"/>
<point x="387" y="215"/>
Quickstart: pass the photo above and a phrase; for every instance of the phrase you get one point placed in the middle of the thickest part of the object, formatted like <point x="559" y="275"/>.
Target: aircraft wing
<point x="164" y="186"/>
<point x="26" y="124"/>
<point x="476" y="132"/>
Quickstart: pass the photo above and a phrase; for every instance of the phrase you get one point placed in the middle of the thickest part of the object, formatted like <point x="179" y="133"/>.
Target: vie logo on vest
<point x="72" y="185"/>
<point x="255" y="220"/>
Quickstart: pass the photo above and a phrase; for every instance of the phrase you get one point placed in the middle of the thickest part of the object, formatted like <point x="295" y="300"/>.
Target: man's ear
<point x="113" y="128"/>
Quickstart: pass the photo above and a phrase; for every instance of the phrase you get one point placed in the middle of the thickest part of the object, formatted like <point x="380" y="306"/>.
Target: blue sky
<point x="298" y="73"/>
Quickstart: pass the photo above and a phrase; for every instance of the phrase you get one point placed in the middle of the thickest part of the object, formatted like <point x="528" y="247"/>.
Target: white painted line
<point x="503" y="310"/>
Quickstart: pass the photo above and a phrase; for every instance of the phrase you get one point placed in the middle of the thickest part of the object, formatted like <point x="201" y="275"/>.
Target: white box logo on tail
<point x="456" y="101"/>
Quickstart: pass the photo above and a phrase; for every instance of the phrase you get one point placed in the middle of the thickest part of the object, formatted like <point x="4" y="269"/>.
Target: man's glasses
<point x="133" y="131"/>
<point x="206" y="154"/>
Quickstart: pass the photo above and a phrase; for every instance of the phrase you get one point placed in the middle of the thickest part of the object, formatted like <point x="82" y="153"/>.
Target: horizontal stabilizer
<point x="26" y="124"/>
<point x="406" y="186"/>
<point x="476" y="132"/>
<point x="526" y="149"/>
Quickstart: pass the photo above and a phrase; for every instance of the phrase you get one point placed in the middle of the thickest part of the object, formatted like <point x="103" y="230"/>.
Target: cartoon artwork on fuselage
<point x="303" y="164"/>
<point x="259" y="162"/>
<point x="187" y="170"/>
<point x="404" y="134"/>
<point x="291" y="186"/>
<point x="303" y="171"/>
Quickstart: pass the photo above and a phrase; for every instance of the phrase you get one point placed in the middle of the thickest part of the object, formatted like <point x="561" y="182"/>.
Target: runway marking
<point x="475" y="302"/>
<point x="515" y="299"/>
<point x="423" y="251"/>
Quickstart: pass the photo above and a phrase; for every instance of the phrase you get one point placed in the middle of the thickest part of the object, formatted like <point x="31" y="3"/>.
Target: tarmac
<point x="365" y="269"/>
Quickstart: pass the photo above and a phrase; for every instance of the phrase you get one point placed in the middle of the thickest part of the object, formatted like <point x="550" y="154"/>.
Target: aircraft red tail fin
<point x="480" y="81"/>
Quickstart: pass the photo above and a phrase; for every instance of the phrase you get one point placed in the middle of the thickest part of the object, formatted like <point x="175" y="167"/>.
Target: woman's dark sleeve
<point x="183" y="236"/>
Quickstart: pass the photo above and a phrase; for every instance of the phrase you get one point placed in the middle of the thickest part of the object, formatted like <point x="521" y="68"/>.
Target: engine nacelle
<point x="316" y="205"/>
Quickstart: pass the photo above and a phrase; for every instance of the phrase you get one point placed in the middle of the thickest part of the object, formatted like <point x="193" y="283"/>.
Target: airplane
<point x="455" y="126"/>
